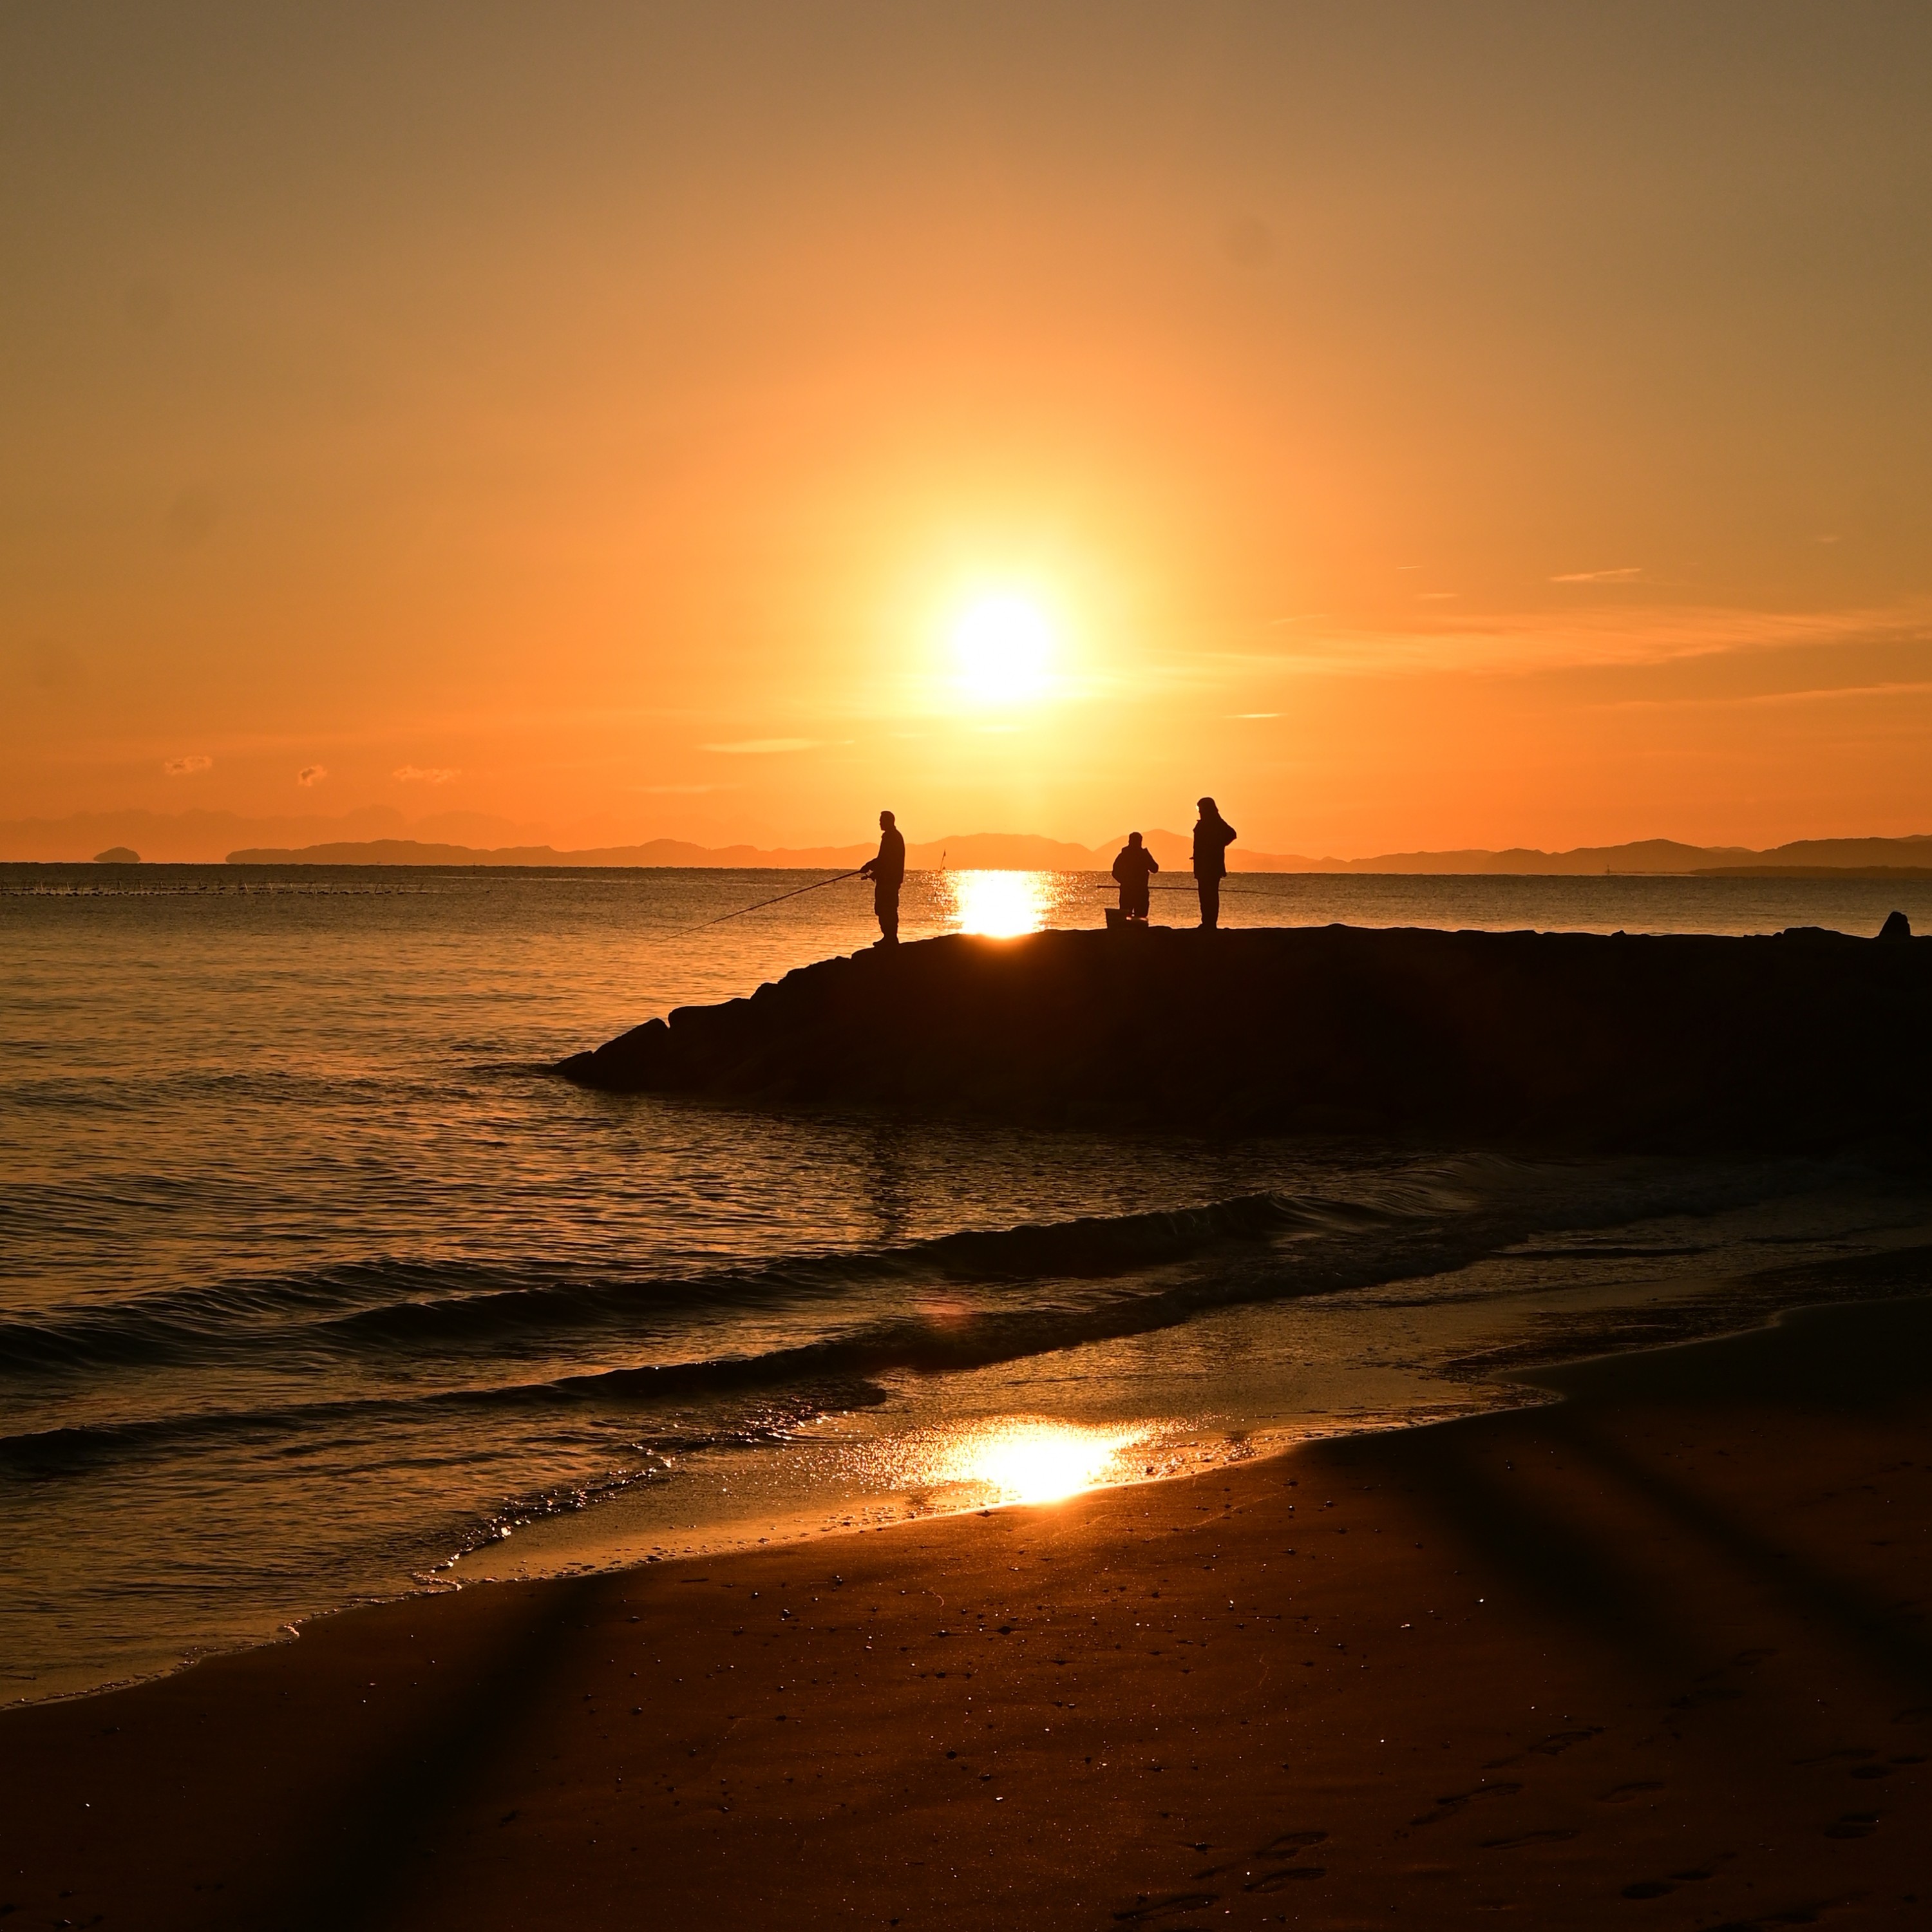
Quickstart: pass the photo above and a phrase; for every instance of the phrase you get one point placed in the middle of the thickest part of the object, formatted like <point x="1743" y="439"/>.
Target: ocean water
<point x="315" y="1285"/>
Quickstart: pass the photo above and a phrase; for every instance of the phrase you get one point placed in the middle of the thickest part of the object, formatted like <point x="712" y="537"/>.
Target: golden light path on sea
<point x="1000" y="905"/>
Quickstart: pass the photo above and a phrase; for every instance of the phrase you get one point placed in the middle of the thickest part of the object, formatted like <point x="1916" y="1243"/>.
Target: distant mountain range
<point x="201" y="836"/>
<point x="999" y="850"/>
<point x="381" y="835"/>
<point x="991" y="851"/>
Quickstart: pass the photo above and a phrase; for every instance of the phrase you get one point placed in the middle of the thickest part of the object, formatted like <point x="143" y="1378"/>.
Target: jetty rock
<point x="1561" y="1041"/>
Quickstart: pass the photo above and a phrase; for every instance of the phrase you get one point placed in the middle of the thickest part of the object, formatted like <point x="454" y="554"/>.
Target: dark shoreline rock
<point x="1556" y="1040"/>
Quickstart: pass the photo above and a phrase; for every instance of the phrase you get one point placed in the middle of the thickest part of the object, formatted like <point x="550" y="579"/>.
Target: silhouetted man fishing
<point x="1212" y="835"/>
<point x="1134" y="867"/>
<point x="887" y="874"/>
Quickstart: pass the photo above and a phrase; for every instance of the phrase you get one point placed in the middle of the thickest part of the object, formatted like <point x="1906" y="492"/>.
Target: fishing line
<point x="739" y="912"/>
<point x="1227" y="892"/>
<point x="679" y="931"/>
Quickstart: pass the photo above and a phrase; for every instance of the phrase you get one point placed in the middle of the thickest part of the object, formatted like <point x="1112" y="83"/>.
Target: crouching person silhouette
<point x="887" y="873"/>
<point x="1134" y="867"/>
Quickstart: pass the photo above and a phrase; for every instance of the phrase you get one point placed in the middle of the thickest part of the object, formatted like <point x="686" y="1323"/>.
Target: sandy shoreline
<point x="1653" y="1656"/>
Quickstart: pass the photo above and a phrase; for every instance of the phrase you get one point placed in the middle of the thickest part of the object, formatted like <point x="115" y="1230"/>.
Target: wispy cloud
<point x="1811" y="694"/>
<point x="187" y="767"/>
<point x="311" y="774"/>
<point x="423" y="774"/>
<point x="1627" y="573"/>
<point x="760" y="747"/>
<point x="679" y="791"/>
<point x="1596" y="636"/>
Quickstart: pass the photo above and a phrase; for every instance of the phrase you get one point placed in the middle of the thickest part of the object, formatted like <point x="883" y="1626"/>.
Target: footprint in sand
<point x="1628" y="1794"/>
<point x="1279" y="1881"/>
<point x="1706" y="1693"/>
<point x="1553" y="1746"/>
<point x="1159" y="1908"/>
<point x="1447" y="1807"/>
<point x="1656" y="1888"/>
<point x="1286" y="1844"/>
<point x="1853" y="1825"/>
<point x="1554" y="1835"/>
<point x="1559" y="1741"/>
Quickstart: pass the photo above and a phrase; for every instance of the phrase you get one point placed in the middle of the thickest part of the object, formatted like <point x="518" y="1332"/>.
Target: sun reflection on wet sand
<point x="1025" y="1459"/>
<point x="1001" y="905"/>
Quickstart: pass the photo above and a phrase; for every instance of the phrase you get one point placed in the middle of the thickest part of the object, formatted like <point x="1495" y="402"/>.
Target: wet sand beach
<point x="1654" y="1655"/>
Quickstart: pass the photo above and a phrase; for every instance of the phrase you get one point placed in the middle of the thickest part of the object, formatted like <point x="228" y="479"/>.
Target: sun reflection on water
<point x="1001" y="905"/>
<point x="1027" y="1459"/>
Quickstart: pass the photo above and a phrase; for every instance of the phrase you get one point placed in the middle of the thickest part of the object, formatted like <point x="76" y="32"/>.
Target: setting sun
<point x="1004" y="645"/>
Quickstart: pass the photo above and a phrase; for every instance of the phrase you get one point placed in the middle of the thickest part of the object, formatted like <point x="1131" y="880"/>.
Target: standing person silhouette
<point x="887" y="874"/>
<point x="1212" y="835"/>
<point x="1133" y="868"/>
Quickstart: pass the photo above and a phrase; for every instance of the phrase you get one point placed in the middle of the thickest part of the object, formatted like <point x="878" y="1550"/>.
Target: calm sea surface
<point x="315" y="1285"/>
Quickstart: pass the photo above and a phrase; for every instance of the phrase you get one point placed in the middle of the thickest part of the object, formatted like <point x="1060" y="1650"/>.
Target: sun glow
<point x="1004" y="646"/>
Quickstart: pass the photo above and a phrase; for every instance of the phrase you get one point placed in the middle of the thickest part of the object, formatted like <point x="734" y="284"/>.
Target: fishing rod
<point x="1227" y="892"/>
<point x="679" y="932"/>
<point x="739" y="912"/>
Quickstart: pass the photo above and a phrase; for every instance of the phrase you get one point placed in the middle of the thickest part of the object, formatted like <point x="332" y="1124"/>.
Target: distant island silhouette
<point x="1581" y="1041"/>
<point x="382" y="835"/>
<point x="1902" y="858"/>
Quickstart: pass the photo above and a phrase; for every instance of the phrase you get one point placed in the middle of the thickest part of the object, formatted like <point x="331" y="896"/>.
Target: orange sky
<point x="1422" y="426"/>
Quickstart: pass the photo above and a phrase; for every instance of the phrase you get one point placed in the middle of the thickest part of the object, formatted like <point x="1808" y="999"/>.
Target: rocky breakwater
<point x="1554" y="1040"/>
